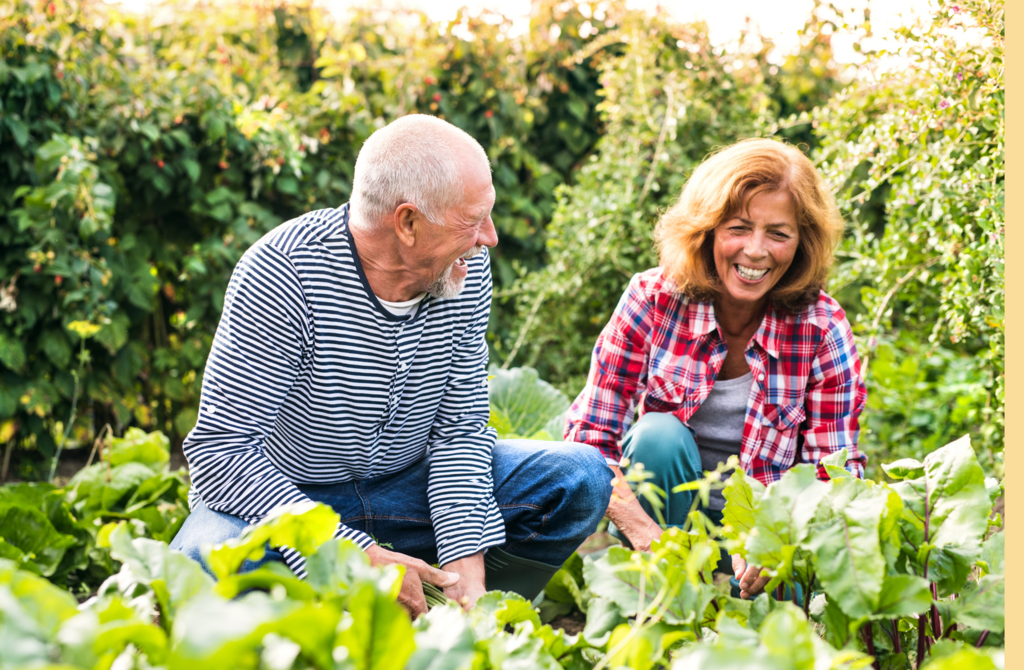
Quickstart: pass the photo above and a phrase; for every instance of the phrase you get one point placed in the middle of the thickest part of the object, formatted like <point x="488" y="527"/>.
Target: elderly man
<point x="349" y="368"/>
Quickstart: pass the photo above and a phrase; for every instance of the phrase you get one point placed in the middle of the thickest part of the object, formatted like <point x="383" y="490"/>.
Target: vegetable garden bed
<point x="903" y="574"/>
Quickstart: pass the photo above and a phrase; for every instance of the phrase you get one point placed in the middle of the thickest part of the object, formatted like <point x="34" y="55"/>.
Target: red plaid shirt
<point x="661" y="352"/>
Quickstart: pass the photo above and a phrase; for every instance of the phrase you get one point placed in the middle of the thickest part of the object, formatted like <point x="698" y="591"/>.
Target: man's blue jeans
<point x="550" y="494"/>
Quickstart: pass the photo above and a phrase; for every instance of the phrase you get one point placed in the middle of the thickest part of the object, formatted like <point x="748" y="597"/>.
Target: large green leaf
<point x="211" y="633"/>
<point x="174" y="578"/>
<point x="27" y="528"/>
<point x="945" y="514"/>
<point x="525" y="403"/>
<point x="847" y="548"/>
<point x="137" y="446"/>
<point x="300" y="526"/>
<point x="634" y="583"/>
<point x="99" y="488"/>
<point x="379" y="634"/>
<point x="444" y="641"/>
<point x="741" y="496"/>
<point x="782" y="517"/>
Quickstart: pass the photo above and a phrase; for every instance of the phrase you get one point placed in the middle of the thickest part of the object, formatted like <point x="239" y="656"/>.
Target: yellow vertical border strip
<point x="1014" y="332"/>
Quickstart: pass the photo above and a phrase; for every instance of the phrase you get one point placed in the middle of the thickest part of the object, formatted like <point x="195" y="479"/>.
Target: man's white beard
<point x="446" y="286"/>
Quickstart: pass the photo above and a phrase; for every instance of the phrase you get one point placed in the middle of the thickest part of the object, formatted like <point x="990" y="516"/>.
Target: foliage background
<point x="141" y="155"/>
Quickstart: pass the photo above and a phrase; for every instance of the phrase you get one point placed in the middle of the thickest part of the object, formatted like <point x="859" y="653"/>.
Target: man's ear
<point x="407" y="223"/>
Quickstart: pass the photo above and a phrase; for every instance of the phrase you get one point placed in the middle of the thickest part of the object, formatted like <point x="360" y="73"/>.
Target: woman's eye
<point x="782" y="236"/>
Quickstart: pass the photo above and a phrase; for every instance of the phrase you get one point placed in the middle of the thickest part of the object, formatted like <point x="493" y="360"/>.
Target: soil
<point x="572" y="623"/>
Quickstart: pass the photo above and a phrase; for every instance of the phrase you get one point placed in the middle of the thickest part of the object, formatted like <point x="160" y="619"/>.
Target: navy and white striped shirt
<point x="310" y="380"/>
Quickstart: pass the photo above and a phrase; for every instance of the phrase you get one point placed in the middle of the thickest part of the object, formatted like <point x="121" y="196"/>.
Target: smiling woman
<point x="731" y="347"/>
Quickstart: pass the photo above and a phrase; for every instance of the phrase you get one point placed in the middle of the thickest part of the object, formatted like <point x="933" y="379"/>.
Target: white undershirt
<point x="404" y="308"/>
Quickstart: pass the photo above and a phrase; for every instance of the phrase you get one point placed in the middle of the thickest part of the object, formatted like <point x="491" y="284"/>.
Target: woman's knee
<point x="656" y="439"/>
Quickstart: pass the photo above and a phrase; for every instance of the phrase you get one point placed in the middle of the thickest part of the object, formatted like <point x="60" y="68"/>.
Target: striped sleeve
<point x="262" y="343"/>
<point x="460" y="488"/>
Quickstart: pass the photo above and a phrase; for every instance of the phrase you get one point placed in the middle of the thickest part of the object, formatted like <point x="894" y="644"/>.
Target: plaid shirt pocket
<point x="780" y="433"/>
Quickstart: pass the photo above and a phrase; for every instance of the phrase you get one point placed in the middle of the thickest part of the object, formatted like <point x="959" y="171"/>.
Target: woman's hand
<point x="416" y="572"/>
<point x="629" y="517"/>
<point x="751" y="583"/>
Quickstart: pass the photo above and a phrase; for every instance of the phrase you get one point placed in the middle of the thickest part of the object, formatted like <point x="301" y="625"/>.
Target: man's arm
<point x="460" y="488"/>
<point x="259" y="349"/>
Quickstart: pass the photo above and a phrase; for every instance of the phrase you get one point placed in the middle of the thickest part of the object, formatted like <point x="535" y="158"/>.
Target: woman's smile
<point x="754" y="248"/>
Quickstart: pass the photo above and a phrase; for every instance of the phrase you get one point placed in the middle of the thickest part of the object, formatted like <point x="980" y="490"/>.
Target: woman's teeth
<point x="750" y="274"/>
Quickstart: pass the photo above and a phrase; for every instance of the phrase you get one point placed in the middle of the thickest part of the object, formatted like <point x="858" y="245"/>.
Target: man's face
<point x="467" y="229"/>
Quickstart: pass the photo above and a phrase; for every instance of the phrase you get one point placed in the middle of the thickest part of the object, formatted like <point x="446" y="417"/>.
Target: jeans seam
<point x="517" y="506"/>
<point x="367" y="516"/>
<point x="516" y="544"/>
<point x="402" y="518"/>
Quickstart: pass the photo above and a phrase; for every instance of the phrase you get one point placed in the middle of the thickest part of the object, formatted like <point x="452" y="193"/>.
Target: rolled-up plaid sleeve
<point x="835" y="399"/>
<point x="603" y="412"/>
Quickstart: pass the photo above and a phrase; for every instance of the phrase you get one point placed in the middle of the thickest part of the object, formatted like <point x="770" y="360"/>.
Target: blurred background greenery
<point x="142" y="153"/>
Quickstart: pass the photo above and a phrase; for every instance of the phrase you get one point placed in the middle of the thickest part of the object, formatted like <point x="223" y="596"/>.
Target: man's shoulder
<point x="304" y="232"/>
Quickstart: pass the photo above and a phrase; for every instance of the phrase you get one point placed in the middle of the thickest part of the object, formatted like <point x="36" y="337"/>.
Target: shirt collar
<point x="701" y="321"/>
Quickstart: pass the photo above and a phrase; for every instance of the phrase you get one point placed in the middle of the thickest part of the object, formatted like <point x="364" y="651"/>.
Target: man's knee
<point x="205" y="527"/>
<point x="656" y="440"/>
<point x="586" y="476"/>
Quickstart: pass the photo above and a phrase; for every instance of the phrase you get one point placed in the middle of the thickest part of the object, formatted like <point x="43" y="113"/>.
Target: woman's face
<point x="754" y="248"/>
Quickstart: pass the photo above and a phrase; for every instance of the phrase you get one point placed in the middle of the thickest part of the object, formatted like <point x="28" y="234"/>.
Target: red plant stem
<point x="922" y="623"/>
<point x="896" y="637"/>
<point x="981" y="639"/>
<point x="869" y="642"/>
<point x="714" y="601"/>
<point x="936" y="619"/>
<point x="807" y="596"/>
<point x="780" y="592"/>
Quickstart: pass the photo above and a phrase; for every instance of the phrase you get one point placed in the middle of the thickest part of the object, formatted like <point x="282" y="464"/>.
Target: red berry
<point x="51" y="9"/>
<point x="280" y="161"/>
<point x="223" y="165"/>
<point x="58" y="280"/>
<point x="429" y="81"/>
<point x="437" y="97"/>
<point x="37" y="267"/>
<point x="160" y="164"/>
<point x="488" y="114"/>
<point x="60" y="75"/>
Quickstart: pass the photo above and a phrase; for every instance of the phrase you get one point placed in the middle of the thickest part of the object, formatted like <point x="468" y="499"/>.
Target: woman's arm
<point x="835" y="398"/>
<point x="625" y="512"/>
<point x="603" y="412"/>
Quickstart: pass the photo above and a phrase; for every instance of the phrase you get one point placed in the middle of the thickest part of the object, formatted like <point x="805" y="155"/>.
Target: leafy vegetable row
<point x="901" y="576"/>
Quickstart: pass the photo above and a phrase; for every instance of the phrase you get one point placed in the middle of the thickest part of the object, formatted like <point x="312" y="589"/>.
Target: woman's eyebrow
<point x="770" y="225"/>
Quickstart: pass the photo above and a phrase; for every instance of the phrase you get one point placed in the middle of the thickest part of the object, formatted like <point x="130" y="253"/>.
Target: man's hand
<point x="416" y="572"/>
<point x="629" y="517"/>
<point x="470" y="586"/>
<point x="751" y="583"/>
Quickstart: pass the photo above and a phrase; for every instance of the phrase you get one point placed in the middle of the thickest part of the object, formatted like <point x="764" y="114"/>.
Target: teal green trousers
<point x="668" y="450"/>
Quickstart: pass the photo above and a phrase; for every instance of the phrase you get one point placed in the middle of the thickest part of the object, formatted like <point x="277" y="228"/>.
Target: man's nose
<point x="488" y="235"/>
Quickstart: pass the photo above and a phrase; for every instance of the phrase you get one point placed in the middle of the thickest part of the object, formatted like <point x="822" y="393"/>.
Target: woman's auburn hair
<point x="719" y="189"/>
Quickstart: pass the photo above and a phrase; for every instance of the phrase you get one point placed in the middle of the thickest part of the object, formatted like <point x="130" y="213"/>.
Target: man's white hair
<point x="414" y="159"/>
